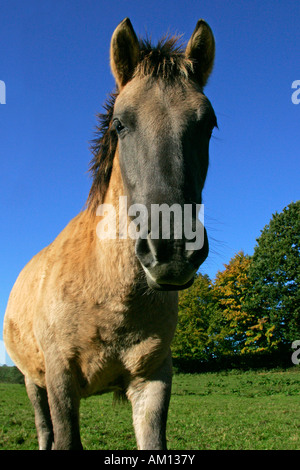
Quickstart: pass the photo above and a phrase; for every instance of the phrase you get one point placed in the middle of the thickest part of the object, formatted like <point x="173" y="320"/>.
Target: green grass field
<point x="225" y="410"/>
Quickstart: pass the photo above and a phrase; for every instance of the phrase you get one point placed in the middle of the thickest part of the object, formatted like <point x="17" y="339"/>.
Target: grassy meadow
<point x="226" y="410"/>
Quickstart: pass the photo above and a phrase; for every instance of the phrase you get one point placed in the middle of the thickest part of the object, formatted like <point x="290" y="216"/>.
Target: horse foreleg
<point x="43" y="423"/>
<point x="150" y="402"/>
<point x="64" y="403"/>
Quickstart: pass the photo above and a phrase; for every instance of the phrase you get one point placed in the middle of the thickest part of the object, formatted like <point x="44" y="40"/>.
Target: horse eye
<point x="118" y="126"/>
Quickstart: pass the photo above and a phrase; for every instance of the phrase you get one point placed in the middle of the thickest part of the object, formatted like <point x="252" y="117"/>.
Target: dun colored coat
<point x="89" y="315"/>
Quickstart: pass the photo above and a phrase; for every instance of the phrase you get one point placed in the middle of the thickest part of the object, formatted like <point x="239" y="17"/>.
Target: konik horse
<point x="89" y="314"/>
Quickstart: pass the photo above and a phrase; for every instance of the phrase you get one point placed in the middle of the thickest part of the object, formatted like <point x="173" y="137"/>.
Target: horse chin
<point x="168" y="287"/>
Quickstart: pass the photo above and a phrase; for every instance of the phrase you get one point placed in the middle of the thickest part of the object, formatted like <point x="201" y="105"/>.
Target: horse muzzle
<point x="168" y="264"/>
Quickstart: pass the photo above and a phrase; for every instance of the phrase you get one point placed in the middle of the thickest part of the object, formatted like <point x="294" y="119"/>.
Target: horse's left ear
<point x="124" y="52"/>
<point x="201" y="49"/>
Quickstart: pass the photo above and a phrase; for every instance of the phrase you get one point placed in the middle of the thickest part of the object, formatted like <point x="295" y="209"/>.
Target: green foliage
<point x="191" y="338"/>
<point x="252" y="307"/>
<point x="274" y="299"/>
<point x="11" y="375"/>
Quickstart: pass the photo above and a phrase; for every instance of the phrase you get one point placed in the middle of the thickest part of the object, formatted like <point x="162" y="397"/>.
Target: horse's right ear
<point x="201" y="50"/>
<point x="124" y="52"/>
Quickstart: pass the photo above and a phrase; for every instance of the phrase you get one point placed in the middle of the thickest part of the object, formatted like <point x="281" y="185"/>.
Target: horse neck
<point x="117" y="255"/>
<point x="116" y="186"/>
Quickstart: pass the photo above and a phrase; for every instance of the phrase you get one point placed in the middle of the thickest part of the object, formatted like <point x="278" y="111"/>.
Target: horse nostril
<point x="144" y="252"/>
<point x="197" y="257"/>
<point x="160" y="249"/>
<point x="151" y="251"/>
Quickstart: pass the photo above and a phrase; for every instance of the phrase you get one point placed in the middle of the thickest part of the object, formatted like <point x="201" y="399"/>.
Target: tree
<point x="253" y="306"/>
<point x="191" y="337"/>
<point x="229" y="321"/>
<point x="274" y="301"/>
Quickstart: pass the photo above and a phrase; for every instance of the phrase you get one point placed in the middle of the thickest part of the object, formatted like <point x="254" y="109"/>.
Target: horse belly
<point x="102" y="376"/>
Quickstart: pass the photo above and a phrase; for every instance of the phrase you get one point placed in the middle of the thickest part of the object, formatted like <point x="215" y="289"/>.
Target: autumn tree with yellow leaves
<point x="192" y="334"/>
<point x="229" y="321"/>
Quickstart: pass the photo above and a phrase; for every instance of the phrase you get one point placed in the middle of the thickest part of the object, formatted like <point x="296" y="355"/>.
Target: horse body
<point x="89" y="316"/>
<point x="85" y="303"/>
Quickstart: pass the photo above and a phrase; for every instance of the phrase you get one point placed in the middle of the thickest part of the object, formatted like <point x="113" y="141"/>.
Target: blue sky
<point x="54" y="60"/>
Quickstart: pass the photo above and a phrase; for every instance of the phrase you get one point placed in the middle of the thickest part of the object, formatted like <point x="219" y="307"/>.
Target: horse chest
<point x="112" y="366"/>
<point x="123" y="350"/>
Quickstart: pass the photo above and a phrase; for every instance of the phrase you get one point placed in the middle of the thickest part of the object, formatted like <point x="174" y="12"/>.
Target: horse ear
<point x="201" y="50"/>
<point x="124" y="52"/>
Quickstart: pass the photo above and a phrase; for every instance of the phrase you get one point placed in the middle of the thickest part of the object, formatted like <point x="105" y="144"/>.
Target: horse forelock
<point x="167" y="60"/>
